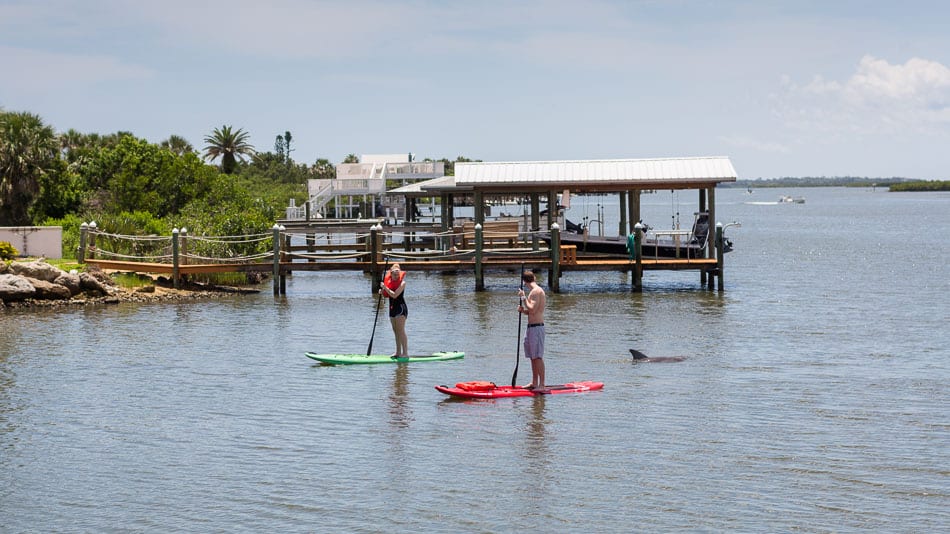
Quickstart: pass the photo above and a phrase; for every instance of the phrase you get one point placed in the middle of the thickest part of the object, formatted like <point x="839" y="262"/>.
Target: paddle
<point x="514" y="376"/>
<point x="369" y="350"/>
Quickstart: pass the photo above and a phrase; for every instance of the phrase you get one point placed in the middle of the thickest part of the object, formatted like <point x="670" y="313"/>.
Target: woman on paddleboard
<point x="394" y="286"/>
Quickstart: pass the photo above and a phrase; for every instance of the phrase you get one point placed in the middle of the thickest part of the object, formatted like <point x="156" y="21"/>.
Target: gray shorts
<point x="534" y="342"/>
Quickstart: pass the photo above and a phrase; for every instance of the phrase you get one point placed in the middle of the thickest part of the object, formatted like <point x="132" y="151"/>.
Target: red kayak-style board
<point x="488" y="390"/>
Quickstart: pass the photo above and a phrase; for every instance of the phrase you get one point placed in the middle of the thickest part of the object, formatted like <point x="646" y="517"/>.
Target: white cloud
<point x="879" y="98"/>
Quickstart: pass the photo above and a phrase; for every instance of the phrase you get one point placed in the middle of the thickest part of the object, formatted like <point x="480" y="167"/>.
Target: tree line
<point x="131" y="186"/>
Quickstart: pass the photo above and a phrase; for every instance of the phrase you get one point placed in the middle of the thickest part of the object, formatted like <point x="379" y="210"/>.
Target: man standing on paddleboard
<point x="532" y="305"/>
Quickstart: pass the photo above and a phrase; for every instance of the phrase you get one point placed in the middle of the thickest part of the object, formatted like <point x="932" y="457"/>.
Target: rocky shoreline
<point x="37" y="284"/>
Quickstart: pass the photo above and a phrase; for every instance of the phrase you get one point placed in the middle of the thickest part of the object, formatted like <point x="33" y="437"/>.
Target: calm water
<point x="814" y="396"/>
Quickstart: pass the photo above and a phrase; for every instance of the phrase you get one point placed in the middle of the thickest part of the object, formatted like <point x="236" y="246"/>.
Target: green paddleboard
<point x="348" y="359"/>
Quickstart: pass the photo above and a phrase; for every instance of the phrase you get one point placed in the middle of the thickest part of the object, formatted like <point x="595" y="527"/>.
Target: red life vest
<point x="391" y="283"/>
<point x="476" y="385"/>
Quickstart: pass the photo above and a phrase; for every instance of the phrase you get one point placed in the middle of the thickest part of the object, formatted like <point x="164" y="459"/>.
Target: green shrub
<point x="70" y="225"/>
<point x="8" y="251"/>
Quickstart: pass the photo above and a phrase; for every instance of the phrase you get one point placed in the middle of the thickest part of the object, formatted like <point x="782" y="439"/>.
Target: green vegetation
<point x="131" y="187"/>
<point x="8" y="251"/>
<point x="922" y="185"/>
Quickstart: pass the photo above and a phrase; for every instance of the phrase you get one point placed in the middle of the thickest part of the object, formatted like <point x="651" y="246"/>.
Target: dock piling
<point x="276" y="231"/>
<point x="637" y="285"/>
<point x="554" y="276"/>
<point x="479" y="272"/>
<point x="720" y="250"/>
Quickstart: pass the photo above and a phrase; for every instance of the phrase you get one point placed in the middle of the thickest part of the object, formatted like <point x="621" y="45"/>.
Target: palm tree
<point x="28" y="150"/>
<point x="230" y="144"/>
<point x="178" y="145"/>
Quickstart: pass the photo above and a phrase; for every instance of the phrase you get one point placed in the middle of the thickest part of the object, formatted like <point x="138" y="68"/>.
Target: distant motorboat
<point x="785" y="199"/>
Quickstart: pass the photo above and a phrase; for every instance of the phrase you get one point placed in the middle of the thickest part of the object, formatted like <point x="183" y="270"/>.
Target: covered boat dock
<point x="544" y="181"/>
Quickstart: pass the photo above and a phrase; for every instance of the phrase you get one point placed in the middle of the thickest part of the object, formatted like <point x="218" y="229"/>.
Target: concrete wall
<point x="46" y="241"/>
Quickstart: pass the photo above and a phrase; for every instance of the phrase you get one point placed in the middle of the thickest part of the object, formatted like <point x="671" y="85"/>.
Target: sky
<point x="797" y="88"/>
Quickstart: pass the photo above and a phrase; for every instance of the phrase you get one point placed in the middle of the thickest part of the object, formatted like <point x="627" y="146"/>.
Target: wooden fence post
<point x="81" y="252"/>
<point x="175" y="246"/>
<point x="92" y="240"/>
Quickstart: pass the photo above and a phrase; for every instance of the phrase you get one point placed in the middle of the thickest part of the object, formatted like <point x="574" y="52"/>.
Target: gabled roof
<point x="597" y="175"/>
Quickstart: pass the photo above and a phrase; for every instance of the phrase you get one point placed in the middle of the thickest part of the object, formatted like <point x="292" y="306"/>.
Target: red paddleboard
<point x="488" y="390"/>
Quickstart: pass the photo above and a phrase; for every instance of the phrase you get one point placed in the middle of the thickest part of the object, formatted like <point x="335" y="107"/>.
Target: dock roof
<point x="595" y="175"/>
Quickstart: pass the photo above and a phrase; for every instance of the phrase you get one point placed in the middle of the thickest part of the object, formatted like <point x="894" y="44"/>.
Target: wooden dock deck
<point x="371" y="253"/>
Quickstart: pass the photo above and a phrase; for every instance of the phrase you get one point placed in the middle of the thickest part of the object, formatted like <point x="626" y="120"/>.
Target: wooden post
<point x="554" y="277"/>
<point x="175" y="246"/>
<point x="634" y="205"/>
<point x="479" y="274"/>
<point x="479" y="207"/>
<point x="92" y="240"/>
<point x="637" y="285"/>
<point x="720" y="252"/>
<point x="276" y="274"/>
<point x="535" y="221"/>
<point x="622" y="228"/>
<point x="307" y="210"/>
<point x="311" y="241"/>
<point x="81" y="252"/>
<point x="374" y="257"/>
<point x="285" y="256"/>
<point x="445" y="224"/>
<point x="184" y="246"/>
<point x="706" y="252"/>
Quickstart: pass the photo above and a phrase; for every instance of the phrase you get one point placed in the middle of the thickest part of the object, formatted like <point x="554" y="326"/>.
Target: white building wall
<point x="46" y="241"/>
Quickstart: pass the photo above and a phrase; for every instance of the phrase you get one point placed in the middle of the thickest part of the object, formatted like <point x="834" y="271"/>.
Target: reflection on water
<point x="535" y="446"/>
<point x="400" y="412"/>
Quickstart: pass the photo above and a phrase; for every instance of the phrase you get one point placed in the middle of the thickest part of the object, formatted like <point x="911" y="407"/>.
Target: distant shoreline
<point x="892" y="184"/>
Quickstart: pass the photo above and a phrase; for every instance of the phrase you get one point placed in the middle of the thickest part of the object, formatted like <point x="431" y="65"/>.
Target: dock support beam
<point x="720" y="252"/>
<point x="637" y="284"/>
<point x="622" y="228"/>
<point x="706" y="251"/>
<point x="535" y="221"/>
<point x="554" y="277"/>
<point x="276" y="274"/>
<point x="479" y="270"/>
<point x="374" y="257"/>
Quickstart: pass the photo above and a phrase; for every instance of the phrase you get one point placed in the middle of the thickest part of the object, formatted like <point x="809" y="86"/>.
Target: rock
<point x="69" y="281"/>
<point x="48" y="290"/>
<point x="39" y="270"/>
<point x="88" y="282"/>
<point x="15" y="288"/>
<point x="145" y="289"/>
<point x="102" y="277"/>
